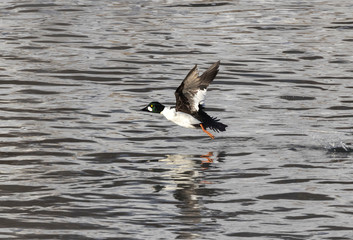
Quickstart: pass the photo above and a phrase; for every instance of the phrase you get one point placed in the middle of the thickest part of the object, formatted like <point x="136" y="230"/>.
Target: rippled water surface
<point x="79" y="161"/>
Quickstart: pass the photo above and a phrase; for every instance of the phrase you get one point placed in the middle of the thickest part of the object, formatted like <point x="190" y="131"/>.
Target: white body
<point x="180" y="118"/>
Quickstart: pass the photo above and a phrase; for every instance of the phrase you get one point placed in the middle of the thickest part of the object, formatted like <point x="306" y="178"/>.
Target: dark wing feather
<point x="210" y="122"/>
<point x="185" y="101"/>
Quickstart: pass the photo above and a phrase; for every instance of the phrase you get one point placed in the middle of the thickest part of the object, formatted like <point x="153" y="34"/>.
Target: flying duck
<point x="190" y="98"/>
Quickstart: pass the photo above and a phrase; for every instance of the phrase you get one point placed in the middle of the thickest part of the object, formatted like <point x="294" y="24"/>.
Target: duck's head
<point x="154" y="107"/>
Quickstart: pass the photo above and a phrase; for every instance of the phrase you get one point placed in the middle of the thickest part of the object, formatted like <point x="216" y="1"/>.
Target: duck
<point x="189" y="110"/>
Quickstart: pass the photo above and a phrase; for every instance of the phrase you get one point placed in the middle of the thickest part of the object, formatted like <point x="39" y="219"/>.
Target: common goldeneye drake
<point x="190" y="98"/>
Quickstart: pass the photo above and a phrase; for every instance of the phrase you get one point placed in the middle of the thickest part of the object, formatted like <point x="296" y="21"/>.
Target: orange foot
<point x="208" y="133"/>
<point x="208" y="157"/>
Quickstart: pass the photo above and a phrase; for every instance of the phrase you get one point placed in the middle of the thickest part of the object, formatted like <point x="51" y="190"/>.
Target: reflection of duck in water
<point x="185" y="166"/>
<point x="186" y="184"/>
<point x="190" y="98"/>
<point x="184" y="170"/>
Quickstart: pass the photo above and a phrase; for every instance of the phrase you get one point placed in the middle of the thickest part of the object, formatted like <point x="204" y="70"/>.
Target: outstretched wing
<point x="192" y="91"/>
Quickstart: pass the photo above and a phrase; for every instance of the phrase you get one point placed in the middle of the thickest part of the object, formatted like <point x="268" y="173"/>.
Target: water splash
<point x="332" y="144"/>
<point x="338" y="147"/>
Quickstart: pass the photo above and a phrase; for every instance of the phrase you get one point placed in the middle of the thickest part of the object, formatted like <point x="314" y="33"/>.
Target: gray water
<point x="78" y="161"/>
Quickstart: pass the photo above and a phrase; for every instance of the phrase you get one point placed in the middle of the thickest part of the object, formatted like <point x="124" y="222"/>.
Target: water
<point x="78" y="161"/>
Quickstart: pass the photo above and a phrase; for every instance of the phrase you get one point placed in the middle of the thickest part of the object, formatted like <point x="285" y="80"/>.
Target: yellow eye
<point x="151" y="105"/>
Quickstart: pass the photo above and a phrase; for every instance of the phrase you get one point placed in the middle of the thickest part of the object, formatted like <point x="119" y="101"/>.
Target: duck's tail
<point x="211" y="122"/>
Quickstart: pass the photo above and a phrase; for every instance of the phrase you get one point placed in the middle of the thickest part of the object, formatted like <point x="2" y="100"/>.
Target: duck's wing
<point x="192" y="91"/>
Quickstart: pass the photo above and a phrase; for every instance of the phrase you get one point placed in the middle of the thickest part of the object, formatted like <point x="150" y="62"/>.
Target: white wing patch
<point x="199" y="98"/>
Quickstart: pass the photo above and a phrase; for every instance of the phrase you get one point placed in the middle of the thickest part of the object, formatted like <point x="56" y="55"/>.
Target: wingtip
<point x="216" y="64"/>
<point x="194" y="68"/>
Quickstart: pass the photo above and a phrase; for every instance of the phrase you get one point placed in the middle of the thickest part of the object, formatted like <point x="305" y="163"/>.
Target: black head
<point x="154" y="107"/>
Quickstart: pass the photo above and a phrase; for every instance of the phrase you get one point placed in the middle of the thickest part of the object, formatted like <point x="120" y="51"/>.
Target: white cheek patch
<point x="149" y="109"/>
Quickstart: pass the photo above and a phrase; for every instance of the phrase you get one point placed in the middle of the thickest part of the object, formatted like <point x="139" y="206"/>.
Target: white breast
<point x="180" y="118"/>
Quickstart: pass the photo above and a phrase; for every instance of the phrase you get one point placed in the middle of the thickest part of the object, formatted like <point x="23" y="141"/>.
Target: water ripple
<point x="79" y="161"/>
